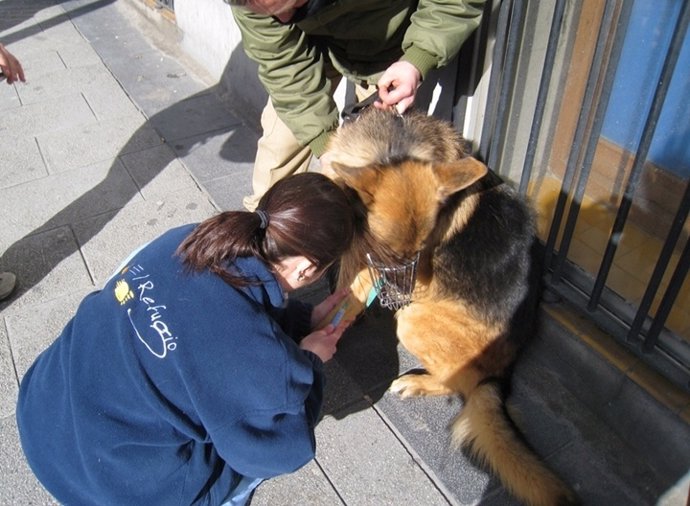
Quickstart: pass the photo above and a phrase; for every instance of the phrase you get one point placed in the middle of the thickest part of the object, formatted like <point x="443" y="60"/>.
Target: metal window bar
<point x="549" y="59"/>
<point x="613" y="23"/>
<point x="609" y="311"/>
<point x="657" y="275"/>
<point x="497" y="78"/>
<point x="588" y="103"/>
<point x="668" y="300"/>
<point x="668" y="68"/>
<point x="515" y="28"/>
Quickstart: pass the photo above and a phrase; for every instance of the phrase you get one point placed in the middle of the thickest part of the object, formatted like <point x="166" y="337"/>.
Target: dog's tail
<point x="483" y="428"/>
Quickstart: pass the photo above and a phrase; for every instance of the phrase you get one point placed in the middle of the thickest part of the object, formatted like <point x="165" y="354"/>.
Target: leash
<point x="352" y="111"/>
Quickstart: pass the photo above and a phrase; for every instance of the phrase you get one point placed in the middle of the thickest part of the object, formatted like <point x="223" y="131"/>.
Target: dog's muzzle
<point x="393" y="283"/>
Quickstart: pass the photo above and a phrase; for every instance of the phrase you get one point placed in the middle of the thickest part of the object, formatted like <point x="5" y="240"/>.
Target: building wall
<point x="211" y="37"/>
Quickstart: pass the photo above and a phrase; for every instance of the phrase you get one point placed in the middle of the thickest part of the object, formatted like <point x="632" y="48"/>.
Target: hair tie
<point x="263" y="216"/>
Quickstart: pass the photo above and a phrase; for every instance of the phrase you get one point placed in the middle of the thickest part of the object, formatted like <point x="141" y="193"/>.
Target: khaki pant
<point x="279" y="153"/>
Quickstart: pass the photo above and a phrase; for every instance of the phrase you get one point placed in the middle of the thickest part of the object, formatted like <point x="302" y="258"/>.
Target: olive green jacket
<point x="357" y="38"/>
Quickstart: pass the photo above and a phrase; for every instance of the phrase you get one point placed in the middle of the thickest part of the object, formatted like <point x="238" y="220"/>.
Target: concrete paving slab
<point x="213" y="154"/>
<point x="61" y="83"/>
<point x="47" y="11"/>
<point x="89" y="144"/>
<point x="68" y="196"/>
<point x="644" y="416"/>
<point x="106" y="240"/>
<point x="423" y="424"/>
<point x="40" y="62"/>
<point x="157" y="172"/>
<point x="78" y="54"/>
<point x="111" y="35"/>
<point x="537" y="405"/>
<point x="47" y="266"/>
<point x="341" y="393"/>
<point x="17" y="483"/>
<point x="225" y="174"/>
<point x="227" y="192"/>
<point x="19" y="21"/>
<point x="109" y="101"/>
<point x="21" y="161"/>
<point x="563" y="356"/>
<point x="9" y="98"/>
<point x="370" y="352"/>
<point x="156" y="81"/>
<point x="200" y="114"/>
<point x="33" y="328"/>
<point x="28" y="121"/>
<point x="596" y="483"/>
<point x="384" y="473"/>
<point x="8" y="378"/>
<point x="58" y="29"/>
<point x="309" y="486"/>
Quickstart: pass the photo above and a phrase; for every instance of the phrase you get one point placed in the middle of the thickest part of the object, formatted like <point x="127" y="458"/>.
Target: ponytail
<point x="304" y="214"/>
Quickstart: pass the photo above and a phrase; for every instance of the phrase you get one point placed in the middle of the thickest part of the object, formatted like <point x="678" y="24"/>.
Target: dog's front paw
<point x="413" y="385"/>
<point x="406" y="386"/>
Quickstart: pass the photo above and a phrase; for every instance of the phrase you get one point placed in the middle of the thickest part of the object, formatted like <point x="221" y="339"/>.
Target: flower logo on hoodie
<point x="122" y="292"/>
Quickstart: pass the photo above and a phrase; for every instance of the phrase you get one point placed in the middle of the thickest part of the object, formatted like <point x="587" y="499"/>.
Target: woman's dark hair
<point x="304" y="214"/>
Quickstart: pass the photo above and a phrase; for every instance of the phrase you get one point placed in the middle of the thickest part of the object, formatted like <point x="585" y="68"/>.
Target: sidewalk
<point x="114" y="140"/>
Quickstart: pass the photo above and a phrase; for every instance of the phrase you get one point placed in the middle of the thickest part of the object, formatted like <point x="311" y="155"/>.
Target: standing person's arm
<point x="437" y="31"/>
<point x="10" y="66"/>
<point x="293" y="73"/>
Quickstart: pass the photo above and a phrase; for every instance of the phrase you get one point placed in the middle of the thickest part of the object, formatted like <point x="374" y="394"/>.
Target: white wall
<point x="210" y="34"/>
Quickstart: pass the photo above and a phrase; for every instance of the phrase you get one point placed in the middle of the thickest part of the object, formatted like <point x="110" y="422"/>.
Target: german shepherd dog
<point x="473" y="301"/>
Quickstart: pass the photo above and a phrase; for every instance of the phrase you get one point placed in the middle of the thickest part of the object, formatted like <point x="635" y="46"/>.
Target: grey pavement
<point x="117" y="137"/>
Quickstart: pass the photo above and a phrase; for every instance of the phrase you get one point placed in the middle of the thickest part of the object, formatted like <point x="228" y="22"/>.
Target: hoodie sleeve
<point x="268" y="443"/>
<point x="267" y="426"/>
<point x="297" y="320"/>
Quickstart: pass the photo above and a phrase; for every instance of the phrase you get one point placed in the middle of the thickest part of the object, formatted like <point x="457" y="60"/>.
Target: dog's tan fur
<point x="419" y="192"/>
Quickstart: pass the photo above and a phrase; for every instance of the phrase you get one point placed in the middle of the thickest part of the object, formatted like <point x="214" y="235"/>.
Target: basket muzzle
<point x="393" y="283"/>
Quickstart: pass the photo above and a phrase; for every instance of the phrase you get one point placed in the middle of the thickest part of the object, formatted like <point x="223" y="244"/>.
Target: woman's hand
<point x="321" y="311"/>
<point x="323" y="343"/>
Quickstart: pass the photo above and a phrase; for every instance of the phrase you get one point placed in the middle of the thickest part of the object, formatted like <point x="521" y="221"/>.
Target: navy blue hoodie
<point x="167" y="386"/>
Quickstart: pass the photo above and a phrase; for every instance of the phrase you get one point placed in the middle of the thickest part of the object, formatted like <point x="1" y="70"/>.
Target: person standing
<point x="192" y="376"/>
<point x="304" y="47"/>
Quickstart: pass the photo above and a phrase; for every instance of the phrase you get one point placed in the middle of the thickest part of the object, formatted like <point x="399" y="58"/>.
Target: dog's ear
<point x="455" y="176"/>
<point x="361" y="179"/>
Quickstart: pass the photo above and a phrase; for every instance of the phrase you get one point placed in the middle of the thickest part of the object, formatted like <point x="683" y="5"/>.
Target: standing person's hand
<point x="10" y="66"/>
<point x="398" y="86"/>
